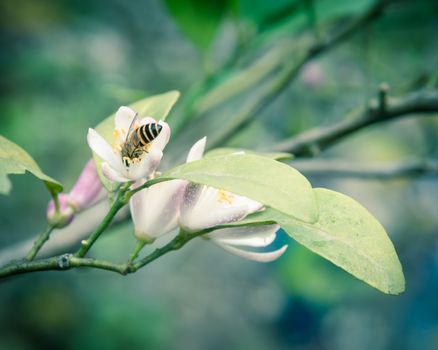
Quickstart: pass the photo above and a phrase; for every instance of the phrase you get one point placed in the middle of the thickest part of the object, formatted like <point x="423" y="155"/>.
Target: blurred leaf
<point x="270" y="14"/>
<point x="308" y="275"/>
<point x="258" y="10"/>
<point x="347" y="235"/>
<point x="157" y="107"/>
<point x="265" y="180"/>
<point x="242" y="80"/>
<point x="198" y="19"/>
<point x="229" y="150"/>
<point x="15" y="160"/>
<point x="330" y="9"/>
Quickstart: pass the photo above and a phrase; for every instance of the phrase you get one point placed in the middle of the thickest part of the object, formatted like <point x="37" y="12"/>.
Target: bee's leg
<point x="126" y="161"/>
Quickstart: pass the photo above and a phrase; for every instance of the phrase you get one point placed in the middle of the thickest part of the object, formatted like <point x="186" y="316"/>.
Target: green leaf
<point x="198" y="19"/>
<point x="230" y="150"/>
<point x="265" y="180"/>
<point x="157" y="107"/>
<point x="15" y="160"/>
<point x="347" y="235"/>
<point x="242" y="80"/>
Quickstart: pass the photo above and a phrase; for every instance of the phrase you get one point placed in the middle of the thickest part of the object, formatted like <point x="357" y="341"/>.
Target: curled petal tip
<point x="197" y="150"/>
<point x="255" y="256"/>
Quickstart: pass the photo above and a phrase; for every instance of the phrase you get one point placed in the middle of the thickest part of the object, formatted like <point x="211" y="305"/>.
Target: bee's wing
<point x="131" y="128"/>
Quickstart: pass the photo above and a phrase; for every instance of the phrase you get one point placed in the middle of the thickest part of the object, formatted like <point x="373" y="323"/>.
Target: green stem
<point x="119" y="203"/>
<point x="56" y="202"/>
<point x="177" y="243"/>
<point x="38" y="244"/>
<point x="139" y="246"/>
<point x="69" y="261"/>
<point x="60" y="263"/>
<point x="147" y="184"/>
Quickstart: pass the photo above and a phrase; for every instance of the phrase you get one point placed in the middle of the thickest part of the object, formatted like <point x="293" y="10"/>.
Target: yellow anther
<point x="116" y="133"/>
<point x="117" y="148"/>
<point x="224" y="197"/>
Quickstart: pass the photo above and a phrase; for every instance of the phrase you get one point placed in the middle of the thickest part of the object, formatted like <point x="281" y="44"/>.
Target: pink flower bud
<point x="84" y="194"/>
<point x="86" y="188"/>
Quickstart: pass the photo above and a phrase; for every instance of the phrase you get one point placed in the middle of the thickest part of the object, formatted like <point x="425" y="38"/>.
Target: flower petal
<point x="256" y="256"/>
<point x="155" y="210"/>
<point x="251" y="236"/>
<point x="202" y="208"/>
<point x="123" y="118"/>
<point x="251" y="205"/>
<point x="148" y="163"/>
<point x="197" y="150"/>
<point x="99" y="146"/>
<point x="147" y="120"/>
<point x="112" y="174"/>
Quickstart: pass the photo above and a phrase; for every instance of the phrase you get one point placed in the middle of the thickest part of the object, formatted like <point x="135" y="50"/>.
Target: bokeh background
<point x="67" y="64"/>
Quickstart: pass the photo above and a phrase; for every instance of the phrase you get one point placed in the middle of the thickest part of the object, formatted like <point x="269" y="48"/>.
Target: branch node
<point x="383" y="97"/>
<point x="129" y="268"/>
<point x="314" y="149"/>
<point x="64" y="261"/>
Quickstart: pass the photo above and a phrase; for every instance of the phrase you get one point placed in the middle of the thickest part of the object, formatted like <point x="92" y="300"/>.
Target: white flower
<point x="204" y="207"/>
<point x="159" y="209"/>
<point x="248" y="236"/>
<point x="155" y="210"/>
<point x="113" y="165"/>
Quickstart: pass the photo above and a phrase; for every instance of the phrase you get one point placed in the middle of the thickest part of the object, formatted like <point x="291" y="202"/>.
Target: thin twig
<point x="371" y="171"/>
<point x="422" y="103"/>
<point x="38" y="244"/>
<point x="70" y="261"/>
<point x="118" y="204"/>
<point x="289" y="73"/>
<point x="57" y="263"/>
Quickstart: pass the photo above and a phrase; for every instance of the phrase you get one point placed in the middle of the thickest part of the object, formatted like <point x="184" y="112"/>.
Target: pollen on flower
<point x="224" y="197"/>
<point x="117" y="148"/>
<point x="116" y="133"/>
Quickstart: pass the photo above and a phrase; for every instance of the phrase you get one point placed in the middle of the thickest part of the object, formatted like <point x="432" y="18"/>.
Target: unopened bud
<point x="86" y="188"/>
<point x="84" y="194"/>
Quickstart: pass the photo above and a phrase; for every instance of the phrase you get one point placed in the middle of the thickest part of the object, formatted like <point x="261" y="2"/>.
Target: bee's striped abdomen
<point x="148" y="132"/>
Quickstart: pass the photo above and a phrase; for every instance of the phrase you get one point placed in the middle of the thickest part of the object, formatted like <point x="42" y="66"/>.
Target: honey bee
<point x="138" y="140"/>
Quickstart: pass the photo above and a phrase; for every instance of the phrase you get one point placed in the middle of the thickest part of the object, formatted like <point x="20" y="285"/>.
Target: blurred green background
<point x="67" y="64"/>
